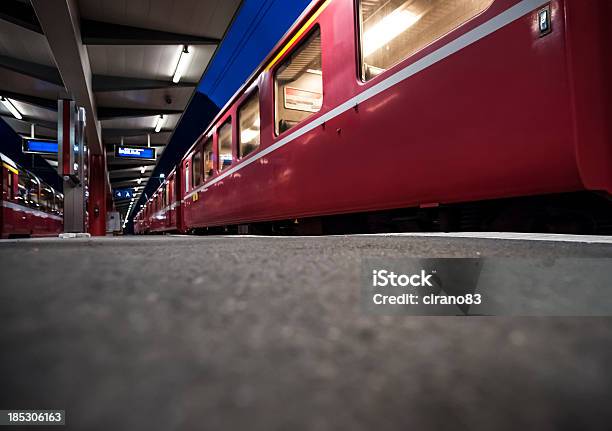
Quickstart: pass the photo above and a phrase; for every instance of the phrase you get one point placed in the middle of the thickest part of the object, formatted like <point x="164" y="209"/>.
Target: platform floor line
<point x="591" y="239"/>
<point x="513" y="236"/>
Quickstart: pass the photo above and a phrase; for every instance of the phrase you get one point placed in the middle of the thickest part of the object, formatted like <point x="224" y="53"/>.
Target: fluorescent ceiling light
<point x="182" y="65"/>
<point x="388" y="29"/>
<point x="7" y="103"/>
<point x="159" y="123"/>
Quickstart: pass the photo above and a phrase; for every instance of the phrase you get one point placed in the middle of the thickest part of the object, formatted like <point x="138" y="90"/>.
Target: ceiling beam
<point x="127" y="162"/>
<point x="129" y="144"/>
<point x="20" y="14"/>
<point x="129" y="172"/>
<point x="29" y="120"/>
<point x="38" y="136"/>
<point x="131" y="132"/>
<point x="59" y="21"/>
<point x="100" y="83"/>
<point x="129" y="183"/>
<point x="103" y="83"/>
<point x="108" y="113"/>
<point x="31" y="100"/>
<point x="104" y="113"/>
<point x="103" y="33"/>
<point x="35" y="70"/>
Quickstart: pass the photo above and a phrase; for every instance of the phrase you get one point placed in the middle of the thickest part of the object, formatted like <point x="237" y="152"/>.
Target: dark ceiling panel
<point x="38" y="71"/>
<point x="21" y="14"/>
<point x="108" y="113"/>
<point x="33" y="100"/>
<point x="104" y="83"/>
<point x="103" y="33"/>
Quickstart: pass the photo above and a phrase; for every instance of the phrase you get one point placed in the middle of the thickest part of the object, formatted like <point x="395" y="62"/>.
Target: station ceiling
<point x="117" y="58"/>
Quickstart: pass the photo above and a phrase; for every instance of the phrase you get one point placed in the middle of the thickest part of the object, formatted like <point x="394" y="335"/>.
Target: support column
<point x="71" y="161"/>
<point x="97" y="195"/>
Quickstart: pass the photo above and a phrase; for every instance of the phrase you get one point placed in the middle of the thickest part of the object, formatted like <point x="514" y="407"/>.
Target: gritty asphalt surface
<point x="216" y="333"/>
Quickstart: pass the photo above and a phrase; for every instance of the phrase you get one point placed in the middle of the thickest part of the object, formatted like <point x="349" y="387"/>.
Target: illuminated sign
<point x="123" y="193"/>
<point x="39" y="146"/>
<point x="140" y="153"/>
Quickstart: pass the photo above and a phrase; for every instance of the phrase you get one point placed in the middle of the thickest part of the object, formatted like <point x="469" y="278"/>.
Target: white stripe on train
<point x="21" y="208"/>
<point x="503" y="19"/>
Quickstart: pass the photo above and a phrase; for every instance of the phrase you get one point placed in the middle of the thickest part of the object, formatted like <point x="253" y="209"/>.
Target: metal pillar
<point x="97" y="195"/>
<point x="71" y="163"/>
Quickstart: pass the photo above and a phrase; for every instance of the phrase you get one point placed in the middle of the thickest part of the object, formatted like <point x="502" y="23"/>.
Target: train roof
<point x="257" y="72"/>
<point x="8" y="161"/>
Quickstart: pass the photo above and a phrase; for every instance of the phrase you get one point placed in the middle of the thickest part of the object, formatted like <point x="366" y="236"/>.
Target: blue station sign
<point x="123" y="193"/>
<point x="139" y="153"/>
<point x="39" y="146"/>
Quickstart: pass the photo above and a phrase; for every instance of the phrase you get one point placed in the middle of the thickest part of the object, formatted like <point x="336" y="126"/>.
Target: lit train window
<point x="392" y="30"/>
<point x="225" y="145"/>
<point x="59" y="199"/>
<point x="46" y="196"/>
<point x="187" y="177"/>
<point x="196" y="169"/>
<point x="34" y="189"/>
<point x="10" y="185"/>
<point x="298" y="84"/>
<point x="22" y="189"/>
<point x="208" y="159"/>
<point x="248" y="125"/>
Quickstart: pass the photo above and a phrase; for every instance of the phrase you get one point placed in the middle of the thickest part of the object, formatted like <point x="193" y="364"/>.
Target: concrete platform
<point x="263" y="333"/>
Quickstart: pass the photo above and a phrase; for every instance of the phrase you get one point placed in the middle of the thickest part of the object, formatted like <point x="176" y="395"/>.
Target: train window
<point x="34" y="191"/>
<point x="46" y="196"/>
<point x="298" y="83"/>
<point x="225" y="145"/>
<point x="208" y="159"/>
<point x="196" y="168"/>
<point x="59" y="199"/>
<point x="248" y="125"/>
<point x="392" y="30"/>
<point x="10" y="185"/>
<point x="187" y="177"/>
<point x="22" y="189"/>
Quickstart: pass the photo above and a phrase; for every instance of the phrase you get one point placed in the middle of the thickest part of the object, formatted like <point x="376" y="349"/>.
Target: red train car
<point x="415" y="114"/>
<point x="29" y="207"/>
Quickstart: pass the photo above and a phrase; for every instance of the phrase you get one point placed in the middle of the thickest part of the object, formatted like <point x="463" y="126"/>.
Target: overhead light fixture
<point x="162" y="175"/>
<point x="388" y="29"/>
<point x="159" y="123"/>
<point x="181" y="67"/>
<point x="139" y="180"/>
<point x="143" y="169"/>
<point x="9" y="105"/>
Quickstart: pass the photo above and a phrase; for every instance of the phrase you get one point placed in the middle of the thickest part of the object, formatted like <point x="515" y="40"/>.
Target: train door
<point x="21" y="214"/>
<point x="4" y="174"/>
<point x="179" y="179"/>
<point x="170" y="202"/>
<point x="9" y="180"/>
